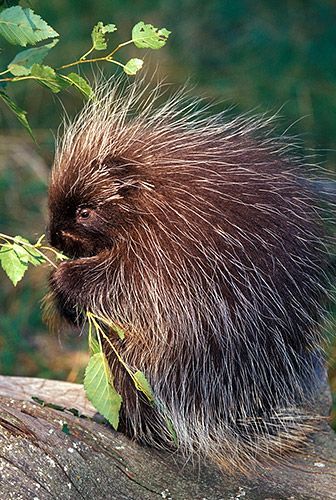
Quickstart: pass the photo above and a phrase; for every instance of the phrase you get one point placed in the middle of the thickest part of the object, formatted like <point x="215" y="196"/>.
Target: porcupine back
<point x="213" y="263"/>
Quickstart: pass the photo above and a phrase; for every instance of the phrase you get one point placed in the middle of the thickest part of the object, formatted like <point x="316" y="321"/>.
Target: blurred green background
<point x="264" y="56"/>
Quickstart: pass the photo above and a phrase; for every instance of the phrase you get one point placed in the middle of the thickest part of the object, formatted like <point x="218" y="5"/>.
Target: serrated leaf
<point x="27" y="253"/>
<point x="98" y="35"/>
<point x="133" y="66"/>
<point x="20" y="252"/>
<point x="48" y="77"/>
<point x="142" y="384"/>
<point x="20" y="114"/>
<point x="12" y="264"/>
<point x="80" y="83"/>
<point x="21" y="26"/>
<point x="99" y="388"/>
<point x="23" y="62"/>
<point x="145" y="36"/>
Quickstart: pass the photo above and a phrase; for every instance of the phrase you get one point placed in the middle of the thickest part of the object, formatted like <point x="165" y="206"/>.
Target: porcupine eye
<point x="83" y="213"/>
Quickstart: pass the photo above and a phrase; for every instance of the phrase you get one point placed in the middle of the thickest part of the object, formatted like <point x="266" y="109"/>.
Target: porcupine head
<point x="196" y="235"/>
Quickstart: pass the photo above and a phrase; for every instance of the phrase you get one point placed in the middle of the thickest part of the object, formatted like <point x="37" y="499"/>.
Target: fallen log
<point x="60" y="451"/>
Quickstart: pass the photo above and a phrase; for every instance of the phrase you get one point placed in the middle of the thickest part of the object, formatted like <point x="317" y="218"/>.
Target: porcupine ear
<point x="115" y="163"/>
<point x="127" y="174"/>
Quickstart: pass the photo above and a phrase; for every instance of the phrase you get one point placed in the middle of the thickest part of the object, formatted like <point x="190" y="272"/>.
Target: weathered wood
<point x="39" y="460"/>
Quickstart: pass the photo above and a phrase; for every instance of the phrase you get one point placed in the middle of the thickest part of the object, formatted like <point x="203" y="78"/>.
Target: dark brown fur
<point x="210" y="255"/>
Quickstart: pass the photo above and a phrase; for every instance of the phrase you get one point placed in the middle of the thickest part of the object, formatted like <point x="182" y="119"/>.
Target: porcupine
<point x="198" y="236"/>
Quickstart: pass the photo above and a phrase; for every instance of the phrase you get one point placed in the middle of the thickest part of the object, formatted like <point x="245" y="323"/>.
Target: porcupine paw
<point x="65" y="285"/>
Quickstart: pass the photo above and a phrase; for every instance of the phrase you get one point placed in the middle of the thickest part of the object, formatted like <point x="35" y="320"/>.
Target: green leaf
<point x="171" y="430"/>
<point x="114" y="326"/>
<point x="12" y="263"/>
<point x="20" y="114"/>
<point x="118" y="330"/>
<point x="133" y="66"/>
<point x="48" y="77"/>
<point x="145" y="36"/>
<point x="80" y="83"/>
<point x="28" y="253"/>
<point x="142" y="384"/>
<point x="21" y="239"/>
<point x="94" y="346"/>
<point x="23" y="62"/>
<point x="20" y="252"/>
<point x="15" y="258"/>
<point x="99" y="33"/>
<point x="22" y="26"/>
<point x="99" y="388"/>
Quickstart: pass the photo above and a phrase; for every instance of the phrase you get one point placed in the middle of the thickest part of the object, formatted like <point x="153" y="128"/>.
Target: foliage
<point x="16" y="253"/>
<point x="20" y="114"/>
<point x="21" y="26"/>
<point x="99" y="388"/>
<point x="98" y="381"/>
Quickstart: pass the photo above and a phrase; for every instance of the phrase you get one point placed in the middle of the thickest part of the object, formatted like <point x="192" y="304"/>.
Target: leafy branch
<point x="16" y="253"/>
<point x="98" y="380"/>
<point x="21" y="26"/>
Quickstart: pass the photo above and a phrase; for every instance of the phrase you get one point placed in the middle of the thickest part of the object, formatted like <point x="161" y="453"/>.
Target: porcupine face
<point x="86" y="219"/>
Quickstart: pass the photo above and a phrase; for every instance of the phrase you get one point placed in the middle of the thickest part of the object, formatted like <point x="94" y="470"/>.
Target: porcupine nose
<point x="53" y="235"/>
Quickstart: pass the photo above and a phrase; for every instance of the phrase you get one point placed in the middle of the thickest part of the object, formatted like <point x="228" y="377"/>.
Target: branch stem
<point x="84" y="56"/>
<point x="100" y="331"/>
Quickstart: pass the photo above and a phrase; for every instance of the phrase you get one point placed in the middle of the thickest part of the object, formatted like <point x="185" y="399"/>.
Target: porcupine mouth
<point x="75" y="247"/>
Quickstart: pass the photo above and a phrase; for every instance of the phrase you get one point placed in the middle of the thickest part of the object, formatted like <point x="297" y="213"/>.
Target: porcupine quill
<point x="200" y="237"/>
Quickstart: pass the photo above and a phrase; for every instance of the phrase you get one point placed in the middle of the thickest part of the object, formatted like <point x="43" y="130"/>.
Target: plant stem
<point x="84" y="56"/>
<point x="99" y="330"/>
<point x="84" y="61"/>
<point x="81" y="60"/>
<point x="115" y="62"/>
<point x="107" y="58"/>
<point x="119" y="47"/>
<point x="50" y="249"/>
<point x="7" y="79"/>
<point x="19" y="78"/>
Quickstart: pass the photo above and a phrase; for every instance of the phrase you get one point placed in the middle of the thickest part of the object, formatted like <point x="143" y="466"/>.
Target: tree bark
<point x="48" y="453"/>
